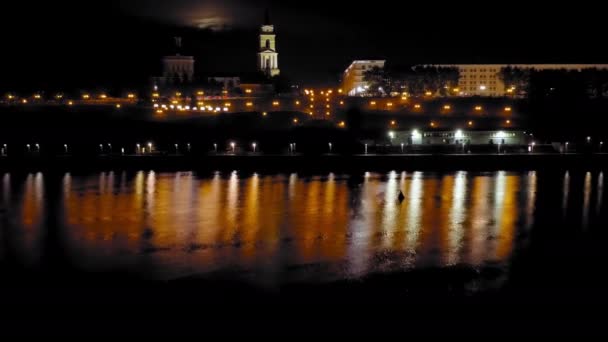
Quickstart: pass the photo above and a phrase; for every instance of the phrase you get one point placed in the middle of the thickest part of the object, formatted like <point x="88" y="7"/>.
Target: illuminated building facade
<point x="268" y="57"/>
<point x="456" y="137"/>
<point x="353" y="82"/>
<point x="178" y="69"/>
<point x="485" y="79"/>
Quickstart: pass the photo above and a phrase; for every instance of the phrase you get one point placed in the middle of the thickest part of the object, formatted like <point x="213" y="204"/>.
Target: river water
<point x="278" y="229"/>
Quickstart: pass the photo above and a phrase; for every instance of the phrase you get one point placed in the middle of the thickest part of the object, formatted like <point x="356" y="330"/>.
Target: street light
<point x="150" y="147"/>
<point x="138" y="148"/>
<point x="401" y="147"/>
<point x="365" y="148"/>
<point x="566" y="150"/>
<point x="37" y="147"/>
<point x="215" y="148"/>
<point x="65" y="147"/>
<point x="233" y="145"/>
<point x="330" y="147"/>
<point x="176" y="148"/>
<point x="188" y="147"/>
<point x="28" y="148"/>
<point x="254" y="146"/>
<point x="101" y="148"/>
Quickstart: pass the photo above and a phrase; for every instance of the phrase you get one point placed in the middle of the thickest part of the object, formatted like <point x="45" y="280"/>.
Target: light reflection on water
<point x="278" y="228"/>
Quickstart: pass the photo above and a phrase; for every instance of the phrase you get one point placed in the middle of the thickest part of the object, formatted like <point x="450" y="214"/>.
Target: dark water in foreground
<point x="280" y="229"/>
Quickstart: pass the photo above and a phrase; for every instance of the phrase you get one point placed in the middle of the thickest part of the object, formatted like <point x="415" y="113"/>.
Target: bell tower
<point x="268" y="58"/>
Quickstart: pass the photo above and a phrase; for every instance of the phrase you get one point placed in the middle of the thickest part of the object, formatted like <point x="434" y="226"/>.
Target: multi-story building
<point x="485" y="79"/>
<point x="353" y="82"/>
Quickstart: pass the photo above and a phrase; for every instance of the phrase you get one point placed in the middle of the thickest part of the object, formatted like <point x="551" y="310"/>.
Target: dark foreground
<point x="426" y="303"/>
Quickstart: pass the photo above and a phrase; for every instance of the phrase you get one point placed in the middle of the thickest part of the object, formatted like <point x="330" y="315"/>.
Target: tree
<point x="438" y="80"/>
<point x="515" y="78"/>
<point x="378" y="81"/>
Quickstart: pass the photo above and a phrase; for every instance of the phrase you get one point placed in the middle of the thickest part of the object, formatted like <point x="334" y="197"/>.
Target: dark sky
<point x="97" y="42"/>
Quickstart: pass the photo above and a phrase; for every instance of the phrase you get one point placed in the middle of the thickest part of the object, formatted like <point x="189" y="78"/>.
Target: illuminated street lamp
<point x="215" y="147"/>
<point x="330" y="146"/>
<point x="65" y="147"/>
<point x="365" y="148"/>
<point x="28" y="148"/>
<point x="176" y="148"/>
<point x="254" y="145"/>
<point x="566" y="149"/>
<point x="150" y="147"/>
<point x="233" y="145"/>
<point x="37" y="147"/>
<point x="137" y="148"/>
<point x="122" y="151"/>
<point x="402" y="147"/>
<point x="188" y="147"/>
<point x="101" y="148"/>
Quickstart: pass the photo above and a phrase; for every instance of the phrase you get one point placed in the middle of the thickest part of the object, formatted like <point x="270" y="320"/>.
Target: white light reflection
<point x="414" y="212"/>
<point x="565" y="193"/>
<point x="457" y="217"/>
<point x="390" y="212"/>
<point x="530" y="199"/>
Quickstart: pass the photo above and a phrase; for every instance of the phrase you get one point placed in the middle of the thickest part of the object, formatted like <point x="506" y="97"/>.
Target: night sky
<point x="107" y="43"/>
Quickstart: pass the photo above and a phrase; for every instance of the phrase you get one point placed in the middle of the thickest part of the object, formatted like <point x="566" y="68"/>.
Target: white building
<point x="485" y="80"/>
<point x="353" y="82"/>
<point x="457" y="137"/>
<point x="178" y="69"/>
<point x="268" y="57"/>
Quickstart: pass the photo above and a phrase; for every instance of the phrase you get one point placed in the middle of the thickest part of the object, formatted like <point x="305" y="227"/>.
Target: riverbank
<point x="312" y="163"/>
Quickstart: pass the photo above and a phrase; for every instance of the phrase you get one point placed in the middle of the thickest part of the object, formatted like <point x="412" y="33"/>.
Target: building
<point x="485" y="79"/>
<point x="176" y="69"/>
<point x="268" y="57"/>
<point x="353" y="82"/>
<point x="458" y="137"/>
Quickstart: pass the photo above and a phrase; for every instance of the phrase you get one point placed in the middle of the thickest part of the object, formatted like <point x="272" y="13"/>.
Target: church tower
<point x="268" y="58"/>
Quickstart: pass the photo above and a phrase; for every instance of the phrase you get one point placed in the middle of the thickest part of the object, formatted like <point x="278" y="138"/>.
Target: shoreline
<point x="333" y="162"/>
